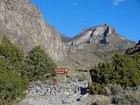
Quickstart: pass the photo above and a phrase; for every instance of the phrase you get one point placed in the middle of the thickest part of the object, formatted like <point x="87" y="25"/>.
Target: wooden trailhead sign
<point x="63" y="71"/>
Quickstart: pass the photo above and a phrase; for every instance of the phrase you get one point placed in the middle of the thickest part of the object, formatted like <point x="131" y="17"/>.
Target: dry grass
<point x="130" y="96"/>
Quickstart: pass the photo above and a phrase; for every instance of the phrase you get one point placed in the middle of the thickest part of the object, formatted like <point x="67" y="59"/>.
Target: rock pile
<point x="63" y="94"/>
<point x="64" y="89"/>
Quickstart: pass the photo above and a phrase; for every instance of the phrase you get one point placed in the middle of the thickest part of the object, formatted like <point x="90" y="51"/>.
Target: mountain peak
<point x="96" y="44"/>
<point x="88" y="35"/>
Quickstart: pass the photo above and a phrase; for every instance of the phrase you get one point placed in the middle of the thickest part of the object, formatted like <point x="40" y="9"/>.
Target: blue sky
<point x="70" y="17"/>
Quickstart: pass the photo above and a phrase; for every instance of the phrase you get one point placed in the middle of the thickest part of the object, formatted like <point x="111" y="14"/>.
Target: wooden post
<point x="65" y="78"/>
<point x="56" y="79"/>
<point x="3" y="101"/>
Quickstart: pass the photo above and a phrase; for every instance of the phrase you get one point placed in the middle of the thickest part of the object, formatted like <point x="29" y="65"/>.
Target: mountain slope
<point x="65" y="38"/>
<point x="24" y="24"/>
<point x="134" y="50"/>
<point x="94" y="45"/>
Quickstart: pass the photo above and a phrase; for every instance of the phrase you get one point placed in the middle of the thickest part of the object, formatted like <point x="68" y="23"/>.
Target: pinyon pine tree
<point x="38" y="63"/>
<point x="12" y="83"/>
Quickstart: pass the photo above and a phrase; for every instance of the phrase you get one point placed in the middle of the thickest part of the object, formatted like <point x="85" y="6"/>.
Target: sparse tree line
<point x="17" y="70"/>
<point x="122" y="71"/>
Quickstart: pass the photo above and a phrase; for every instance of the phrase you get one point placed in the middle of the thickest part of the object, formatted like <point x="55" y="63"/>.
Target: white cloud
<point x="117" y="2"/>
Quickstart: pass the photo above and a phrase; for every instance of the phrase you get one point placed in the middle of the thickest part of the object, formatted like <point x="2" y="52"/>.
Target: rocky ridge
<point x="23" y="22"/>
<point x="94" y="45"/>
<point x="134" y="50"/>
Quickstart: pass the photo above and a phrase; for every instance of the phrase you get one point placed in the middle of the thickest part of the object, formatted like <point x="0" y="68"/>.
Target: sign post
<point x="63" y="71"/>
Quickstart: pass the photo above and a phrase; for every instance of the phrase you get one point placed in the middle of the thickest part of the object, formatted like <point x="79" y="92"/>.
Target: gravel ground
<point x="57" y="100"/>
<point x="64" y="94"/>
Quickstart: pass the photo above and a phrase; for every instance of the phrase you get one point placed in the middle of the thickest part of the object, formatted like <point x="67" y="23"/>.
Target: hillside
<point x="65" y="38"/>
<point x="94" y="45"/>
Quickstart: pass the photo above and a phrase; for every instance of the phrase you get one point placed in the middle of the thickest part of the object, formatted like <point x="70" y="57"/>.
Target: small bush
<point x="96" y="88"/>
<point x="130" y="96"/>
<point x="102" y="100"/>
<point x="111" y="89"/>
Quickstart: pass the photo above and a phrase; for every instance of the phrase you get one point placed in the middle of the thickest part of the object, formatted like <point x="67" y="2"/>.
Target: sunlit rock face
<point x="96" y="44"/>
<point x="22" y="21"/>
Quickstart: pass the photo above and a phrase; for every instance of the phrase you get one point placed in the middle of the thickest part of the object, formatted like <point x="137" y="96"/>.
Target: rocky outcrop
<point x="94" y="45"/>
<point x="133" y="50"/>
<point x="24" y="24"/>
<point x="102" y="38"/>
<point x="88" y="35"/>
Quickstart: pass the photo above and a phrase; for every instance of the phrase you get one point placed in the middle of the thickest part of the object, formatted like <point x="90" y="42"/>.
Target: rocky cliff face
<point x="134" y="50"/>
<point x="25" y="26"/>
<point x="95" y="44"/>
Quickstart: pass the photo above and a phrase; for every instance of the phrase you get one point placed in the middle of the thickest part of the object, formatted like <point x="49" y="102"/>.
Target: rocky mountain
<point x="22" y="21"/>
<point x="65" y="38"/>
<point x="94" y="45"/>
<point x="134" y="50"/>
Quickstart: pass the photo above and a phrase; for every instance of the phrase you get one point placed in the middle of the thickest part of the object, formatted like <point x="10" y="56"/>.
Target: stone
<point x="66" y="89"/>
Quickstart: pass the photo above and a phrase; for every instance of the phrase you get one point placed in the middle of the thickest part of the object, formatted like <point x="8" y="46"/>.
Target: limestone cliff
<point x="22" y="21"/>
<point x="93" y="45"/>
